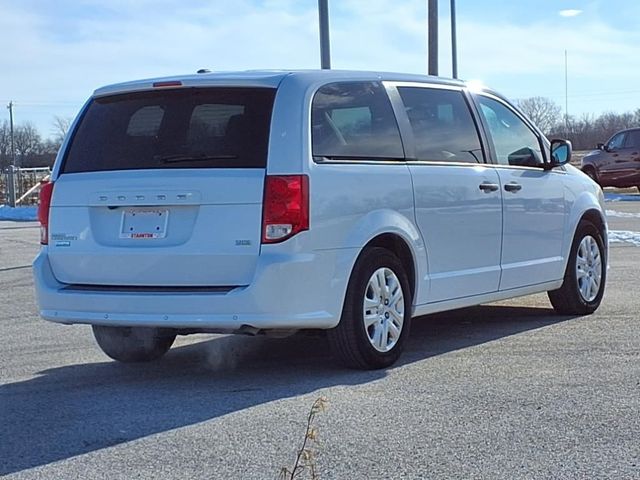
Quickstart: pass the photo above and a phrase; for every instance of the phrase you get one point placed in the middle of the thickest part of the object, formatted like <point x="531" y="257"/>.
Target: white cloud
<point x="569" y="13"/>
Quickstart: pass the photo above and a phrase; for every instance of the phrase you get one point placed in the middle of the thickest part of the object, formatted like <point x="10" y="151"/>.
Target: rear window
<point x="354" y="120"/>
<point x="181" y="128"/>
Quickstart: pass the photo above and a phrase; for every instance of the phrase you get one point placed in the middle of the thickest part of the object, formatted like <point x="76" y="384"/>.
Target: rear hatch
<point x="163" y="188"/>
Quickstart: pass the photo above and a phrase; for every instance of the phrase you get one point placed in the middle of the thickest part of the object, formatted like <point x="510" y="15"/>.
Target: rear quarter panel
<point x="350" y="202"/>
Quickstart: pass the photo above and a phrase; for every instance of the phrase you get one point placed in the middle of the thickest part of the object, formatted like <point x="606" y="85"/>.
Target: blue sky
<point x="56" y="53"/>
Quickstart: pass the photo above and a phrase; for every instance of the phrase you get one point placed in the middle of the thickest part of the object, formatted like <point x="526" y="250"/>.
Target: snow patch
<point x="624" y="236"/>
<point x="19" y="214"/>
<point x="621" y="197"/>
<point x="613" y="213"/>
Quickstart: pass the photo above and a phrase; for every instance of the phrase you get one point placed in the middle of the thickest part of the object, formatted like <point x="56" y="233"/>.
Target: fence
<point x="27" y="184"/>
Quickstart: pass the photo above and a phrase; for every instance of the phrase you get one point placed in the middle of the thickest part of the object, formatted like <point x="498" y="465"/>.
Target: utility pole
<point x="325" y="48"/>
<point x="566" y="94"/>
<point x="454" y="41"/>
<point x="11" y="182"/>
<point x="432" y="31"/>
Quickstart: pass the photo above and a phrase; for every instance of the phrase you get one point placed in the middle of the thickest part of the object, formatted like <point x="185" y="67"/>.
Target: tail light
<point x="46" y="191"/>
<point x="285" y="208"/>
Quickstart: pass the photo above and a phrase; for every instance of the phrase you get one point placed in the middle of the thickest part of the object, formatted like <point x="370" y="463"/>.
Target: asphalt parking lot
<point x="506" y="390"/>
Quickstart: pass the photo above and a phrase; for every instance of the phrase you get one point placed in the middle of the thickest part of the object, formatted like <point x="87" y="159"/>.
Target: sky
<point x="55" y="53"/>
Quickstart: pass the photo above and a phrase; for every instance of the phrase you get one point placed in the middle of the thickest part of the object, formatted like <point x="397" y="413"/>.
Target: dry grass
<point x="305" y="462"/>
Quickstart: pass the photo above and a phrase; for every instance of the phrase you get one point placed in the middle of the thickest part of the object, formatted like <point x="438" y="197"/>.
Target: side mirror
<point x="560" y="153"/>
<point x="600" y="146"/>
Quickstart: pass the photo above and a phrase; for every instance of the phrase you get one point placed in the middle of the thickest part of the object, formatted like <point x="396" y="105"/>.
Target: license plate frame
<point x="144" y="223"/>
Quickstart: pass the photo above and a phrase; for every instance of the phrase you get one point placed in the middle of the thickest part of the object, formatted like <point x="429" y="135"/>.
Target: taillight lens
<point x="46" y="191"/>
<point x="285" y="208"/>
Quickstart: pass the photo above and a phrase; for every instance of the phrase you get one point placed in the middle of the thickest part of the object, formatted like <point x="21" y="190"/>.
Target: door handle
<point x="487" y="187"/>
<point x="513" y="187"/>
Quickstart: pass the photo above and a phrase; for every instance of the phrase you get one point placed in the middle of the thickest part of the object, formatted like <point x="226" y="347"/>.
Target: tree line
<point x="585" y="132"/>
<point x="31" y="150"/>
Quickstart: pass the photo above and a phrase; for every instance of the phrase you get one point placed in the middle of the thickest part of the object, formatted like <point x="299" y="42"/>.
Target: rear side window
<point x="181" y="128"/>
<point x="632" y="139"/>
<point x="354" y="120"/>
<point x="145" y="122"/>
<point x="443" y="128"/>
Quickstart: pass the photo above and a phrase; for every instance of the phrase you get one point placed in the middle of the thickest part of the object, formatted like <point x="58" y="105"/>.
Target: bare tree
<point x="545" y="113"/>
<point x="27" y="141"/>
<point x="60" y="128"/>
<point x="5" y="144"/>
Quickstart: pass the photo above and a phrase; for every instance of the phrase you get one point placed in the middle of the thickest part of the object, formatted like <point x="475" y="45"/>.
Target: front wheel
<point x="591" y="173"/>
<point x="376" y="316"/>
<point x="584" y="280"/>
<point x="133" y="344"/>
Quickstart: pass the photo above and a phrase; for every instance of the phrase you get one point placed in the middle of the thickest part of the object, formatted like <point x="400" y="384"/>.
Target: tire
<point x="581" y="294"/>
<point x="133" y="344"/>
<point x="351" y="341"/>
<point x="591" y="173"/>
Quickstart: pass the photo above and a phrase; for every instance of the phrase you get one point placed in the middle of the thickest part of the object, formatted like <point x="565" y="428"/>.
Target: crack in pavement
<point x="6" y="269"/>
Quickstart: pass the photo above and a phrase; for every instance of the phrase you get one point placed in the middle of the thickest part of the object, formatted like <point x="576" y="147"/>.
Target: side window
<point x="354" y="120"/>
<point x="145" y="122"/>
<point x="210" y="122"/>
<point x="514" y="142"/>
<point x="633" y="139"/>
<point x="616" y="142"/>
<point x="443" y="128"/>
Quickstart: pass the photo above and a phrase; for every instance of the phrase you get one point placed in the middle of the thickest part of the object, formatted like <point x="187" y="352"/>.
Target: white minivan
<point x="263" y="202"/>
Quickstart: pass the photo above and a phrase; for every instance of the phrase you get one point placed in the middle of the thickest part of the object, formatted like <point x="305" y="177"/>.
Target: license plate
<point x="141" y="223"/>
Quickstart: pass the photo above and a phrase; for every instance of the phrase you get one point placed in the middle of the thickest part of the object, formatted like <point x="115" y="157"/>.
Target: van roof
<point x="270" y="78"/>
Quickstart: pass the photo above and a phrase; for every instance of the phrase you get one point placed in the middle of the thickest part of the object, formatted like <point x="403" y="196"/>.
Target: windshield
<point x="180" y="128"/>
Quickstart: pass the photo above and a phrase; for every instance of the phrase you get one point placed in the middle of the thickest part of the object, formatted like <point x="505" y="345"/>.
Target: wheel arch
<point x="399" y="247"/>
<point x="589" y="166"/>
<point x="586" y="207"/>
<point x="597" y="218"/>
<point x="395" y="232"/>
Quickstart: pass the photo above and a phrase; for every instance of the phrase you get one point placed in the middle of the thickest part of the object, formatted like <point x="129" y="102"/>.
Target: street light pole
<point x="325" y="48"/>
<point x="566" y="94"/>
<point x="432" y="31"/>
<point x="454" y="41"/>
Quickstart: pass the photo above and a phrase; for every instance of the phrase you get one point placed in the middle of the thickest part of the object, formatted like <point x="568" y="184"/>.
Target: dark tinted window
<point x="443" y="128"/>
<point x="514" y="142"/>
<point x="182" y="128"/>
<point x="354" y="120"/>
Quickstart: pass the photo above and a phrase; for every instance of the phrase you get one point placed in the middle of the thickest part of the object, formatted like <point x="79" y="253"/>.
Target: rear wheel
<point x="376" y="316"/>
<point x="133" y="344"/>
<point x="585" y="277"/>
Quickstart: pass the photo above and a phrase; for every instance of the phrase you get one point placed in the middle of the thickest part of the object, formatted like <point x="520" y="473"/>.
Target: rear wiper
<point x="182" y="157"/>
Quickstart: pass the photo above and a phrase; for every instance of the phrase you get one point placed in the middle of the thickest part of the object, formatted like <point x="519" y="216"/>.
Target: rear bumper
<point x="289" y="291"/>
